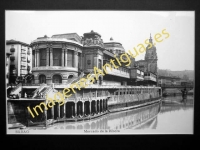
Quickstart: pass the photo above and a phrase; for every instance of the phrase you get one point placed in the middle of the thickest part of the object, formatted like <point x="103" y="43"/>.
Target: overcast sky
<point x="130" y="28"/>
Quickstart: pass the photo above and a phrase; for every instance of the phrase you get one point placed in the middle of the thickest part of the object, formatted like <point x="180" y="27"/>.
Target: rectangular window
<point x="23" y="67"/>
<point x="70" y="58"/>
<point x="42" y="57"/>
<point x="23" y="55"/>
<point x="57" y="53"/>
<point x="23" y="51"/>
<point x="33" y="59"/>
<point x="23" y="59"/>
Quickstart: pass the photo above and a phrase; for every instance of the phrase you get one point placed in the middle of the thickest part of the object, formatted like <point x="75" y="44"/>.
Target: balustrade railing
<point x="174" y="85"/>
<point x="31" y="84"/>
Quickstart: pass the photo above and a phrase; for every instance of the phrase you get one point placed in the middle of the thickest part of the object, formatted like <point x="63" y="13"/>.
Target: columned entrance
<point x="87" y="108"/>
<point x="70" y="110"/>
<point x="98" y="107"/>
<point x="80" y="108"/>
<point x="101" y="106"/>
<point x="93" y="107"/>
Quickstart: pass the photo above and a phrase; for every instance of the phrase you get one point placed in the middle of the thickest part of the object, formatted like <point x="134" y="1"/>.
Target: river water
<point x="171" y="116"/>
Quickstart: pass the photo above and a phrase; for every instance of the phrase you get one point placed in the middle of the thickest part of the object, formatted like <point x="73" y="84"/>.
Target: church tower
<point x="151" y="57"/>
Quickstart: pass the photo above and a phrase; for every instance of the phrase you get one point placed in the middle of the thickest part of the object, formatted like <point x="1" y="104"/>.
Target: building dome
<point x="114" y="47"/>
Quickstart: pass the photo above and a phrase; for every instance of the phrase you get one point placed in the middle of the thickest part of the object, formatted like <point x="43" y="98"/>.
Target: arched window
<point x="100" y="80"/>
<point x="42" y="79"/>
<point x="70" y="76"/>
<point x="57" y="79"/>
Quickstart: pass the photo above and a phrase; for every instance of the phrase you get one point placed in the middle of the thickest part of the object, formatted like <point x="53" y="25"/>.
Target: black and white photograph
<point x="96" y="72"/>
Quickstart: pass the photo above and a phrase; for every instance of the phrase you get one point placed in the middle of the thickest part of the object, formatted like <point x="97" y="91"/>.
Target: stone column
<point x="63" y="57"/>
<point x="75" y="109"/>
<point x="51" y="56"/>
<point x="75" y="59"/>
<point x="45" y="115"/>
<point x="35" y="57"/>
<point x="64" y="110"/>
<point x="90" y="103"/>
<point x="47" y="57"/>
<point x="106" y="104"/>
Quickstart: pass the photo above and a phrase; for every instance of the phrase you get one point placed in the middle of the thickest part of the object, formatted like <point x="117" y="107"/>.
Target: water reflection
<point x="171" y="115"/>
<point x="170" y="104"/>
<point x="175" y="116"/>
<point x="121" y="120"/>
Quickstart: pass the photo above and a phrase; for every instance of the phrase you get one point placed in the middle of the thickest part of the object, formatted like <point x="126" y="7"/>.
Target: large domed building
<point x="60" y="61"/>
<point x="56" y="59"/>
<point x="114" y="47"/>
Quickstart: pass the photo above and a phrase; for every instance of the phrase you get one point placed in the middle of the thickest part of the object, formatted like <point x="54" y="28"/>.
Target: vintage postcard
<point x="99" y="72"/>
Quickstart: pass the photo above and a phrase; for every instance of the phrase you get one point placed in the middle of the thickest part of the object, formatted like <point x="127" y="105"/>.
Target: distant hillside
<point x="189" y="73"/>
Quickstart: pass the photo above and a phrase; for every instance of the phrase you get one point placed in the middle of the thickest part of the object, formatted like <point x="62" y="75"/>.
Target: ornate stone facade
<point x="59" y="59"/>
<point x="65" y="57"/>
<point x="150" y="62"/>
<point x="92" y="39"/>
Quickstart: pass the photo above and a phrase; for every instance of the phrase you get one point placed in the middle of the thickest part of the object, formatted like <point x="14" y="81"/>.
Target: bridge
<point x="182" y="88"/>
<point x="169" y="77"/>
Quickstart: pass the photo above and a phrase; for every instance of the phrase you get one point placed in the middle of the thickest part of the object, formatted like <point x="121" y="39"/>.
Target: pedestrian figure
<point x="184" y="93"/>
